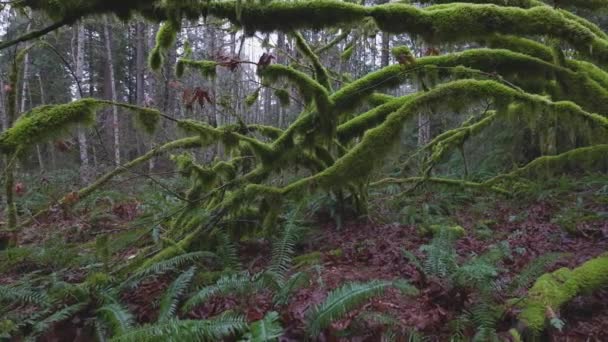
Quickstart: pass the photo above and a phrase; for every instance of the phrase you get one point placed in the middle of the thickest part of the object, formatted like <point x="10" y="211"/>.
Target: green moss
<point x="283" y="96"/>
<point x="552" y="290"/>
<point x="348" y="52"/>
<point x="44" y="123"/>
<point x="208" y="69"/>
<point x="321" y="74"/>
<point x="252" y="98"/>
<point x="403" y="55"/>
<point x="583" y="159"/>
<point x="376" y="143"/>
<point x="155" y="60"/>
<point x="166" y="35"/>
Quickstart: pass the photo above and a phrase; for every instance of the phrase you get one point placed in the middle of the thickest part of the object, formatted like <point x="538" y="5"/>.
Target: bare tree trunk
<point x="112" y="82"/>
<point x="386" y="46"/>
<point x="424" y="128"/>
<point x="85" y="172"/>
<point x="3" y="116"/>
<point x="140" y="72"/>
<point x="43" y="102"/>
<point x="280" y="60"/>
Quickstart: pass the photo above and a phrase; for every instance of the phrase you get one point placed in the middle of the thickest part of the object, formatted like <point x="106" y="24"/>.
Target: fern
<point x="532" y="271"/>
<point x="169" y="301"/>
<point x="266" y="329"/>
<point x="25" y="296"/>
<point x="186" y="330"/>
<point x="296" y="281"/>
<point x="485" y="316"/>
<point x="116" y="317"/>
<point x="227" y="252"/>
<point x="56" y="317"/>
<point x="440" y="255"/>
<point x="340" y="301"/>
<point x="239" y="283"/>
<point x="167" y="266"/>
<point x="283" y="248"/>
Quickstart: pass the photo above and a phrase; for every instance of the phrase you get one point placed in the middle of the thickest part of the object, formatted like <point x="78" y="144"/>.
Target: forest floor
<point x="364" y="249"/>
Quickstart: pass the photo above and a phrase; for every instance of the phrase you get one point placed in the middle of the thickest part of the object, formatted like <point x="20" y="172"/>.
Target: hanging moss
<point x="208" y="69"/>
<point x="48" y="122"/>
<point x="552" y="290"/>
<point x="167" y="33"/>
<point x="283" y="96"/>
<point x="252" y="98"/>
<point x="155" y="60"/>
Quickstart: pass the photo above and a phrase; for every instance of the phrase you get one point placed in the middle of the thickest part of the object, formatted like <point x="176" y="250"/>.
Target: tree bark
<point x="112" y="83"/>
<point x="85" y="172"/>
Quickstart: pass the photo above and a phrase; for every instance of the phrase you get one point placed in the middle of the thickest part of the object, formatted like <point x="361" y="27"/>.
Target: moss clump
<point x="283" y="96"/>
<point x="552" y="290"/>
<point x="44" y="123"/>
<point x="403" y="55"/>
<point x="167" y="33"/>
<point x="208" y="69"/>
<point x="155" y="60"/>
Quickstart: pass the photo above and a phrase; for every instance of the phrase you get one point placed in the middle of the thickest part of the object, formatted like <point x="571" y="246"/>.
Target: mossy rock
<point x="552" y="290"/>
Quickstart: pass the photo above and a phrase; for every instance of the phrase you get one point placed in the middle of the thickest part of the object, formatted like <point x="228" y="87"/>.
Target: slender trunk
<point x="24" y="92"/>
<point x="140" y="80"/>
<point x="112" y="82"/>
<point x="85" y="171"/>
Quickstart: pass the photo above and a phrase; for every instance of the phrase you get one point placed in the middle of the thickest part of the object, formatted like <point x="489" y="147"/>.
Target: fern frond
<point x="340" y="301"/>
<point x="283" y="248"/>
<point x="440" y="255"/>
<point x="116" y="317"/>
<point x="228" y="252"/>
<point x="56" y="317"/>
<point x="169" y="301"/>
<point x="266" y="329"/>
<point x="186" y="330"/>
<point x="412" y="258"/>
<point x="238" y="283"/>
<point x="19" y="295"/>
<point x="296" y="281"/>
<point x="168" y="265"/>
<point x="533" y="270"/>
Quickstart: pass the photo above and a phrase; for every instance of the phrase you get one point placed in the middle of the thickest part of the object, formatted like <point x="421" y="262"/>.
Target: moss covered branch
<point x="552" y="290"/>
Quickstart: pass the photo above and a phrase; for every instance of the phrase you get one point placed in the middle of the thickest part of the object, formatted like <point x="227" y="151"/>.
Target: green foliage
<point x="283" y="96"/>
<point x="283" y="248"/>
<point x="554" y="289"/>
<point x="116" y="317"/>
<point x="208" y="69"/>
<point x="340" y="301"/>
<point x="265" y="330"/>
<point x="215" y="329"/>
<point x="172" y="296"/>
<point x="47" y="122"/>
